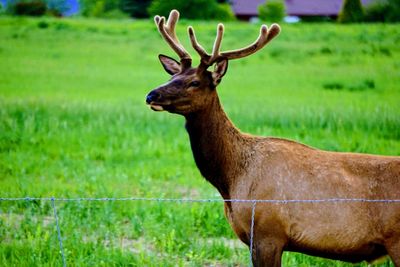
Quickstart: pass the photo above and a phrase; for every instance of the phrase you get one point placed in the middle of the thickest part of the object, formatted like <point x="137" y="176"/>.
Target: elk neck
<point x="220" y="150"/>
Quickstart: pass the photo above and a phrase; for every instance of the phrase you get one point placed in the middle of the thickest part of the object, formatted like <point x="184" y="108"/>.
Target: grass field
<point x="73" y="123"/>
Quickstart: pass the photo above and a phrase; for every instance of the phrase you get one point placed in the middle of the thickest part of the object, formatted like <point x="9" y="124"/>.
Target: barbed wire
<point x="254" y="202"/>
<point x="253" y="212"/>
<point x="277" y="201"/>
<point x="58" y="232"/>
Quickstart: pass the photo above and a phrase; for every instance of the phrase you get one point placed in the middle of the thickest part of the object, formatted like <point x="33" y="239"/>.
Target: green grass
<point x="73" y="123"/>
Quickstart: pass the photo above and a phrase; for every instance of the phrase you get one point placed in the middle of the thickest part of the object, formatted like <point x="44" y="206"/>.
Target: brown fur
<point x="243" y="166"/>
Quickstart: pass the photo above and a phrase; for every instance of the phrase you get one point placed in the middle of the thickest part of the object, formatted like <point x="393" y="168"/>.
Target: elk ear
<point x="219" y="71"/>
<point x="170" y="65"/>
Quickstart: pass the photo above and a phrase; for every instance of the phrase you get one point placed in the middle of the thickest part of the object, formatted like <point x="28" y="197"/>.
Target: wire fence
<point x="254" y="202"/>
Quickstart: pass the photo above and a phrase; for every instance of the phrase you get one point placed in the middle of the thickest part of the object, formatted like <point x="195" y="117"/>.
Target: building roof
<point x="293" y="7"/>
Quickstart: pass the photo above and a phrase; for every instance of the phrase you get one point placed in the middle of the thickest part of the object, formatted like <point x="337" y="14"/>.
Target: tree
<point x="26" y="8"/>
<point x="193" y="9"/>
<point x="352" y="11"/>
<point x="136" y="8"/>
<point x="394" y="15"/>
<point x="383" y="11"/>
<point x="98" y="8"/>
<point x="272" y="10"/>
<point x="57" y="7"/>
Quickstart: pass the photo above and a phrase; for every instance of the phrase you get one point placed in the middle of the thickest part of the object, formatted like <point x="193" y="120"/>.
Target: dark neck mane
<point x="218" y="147"/>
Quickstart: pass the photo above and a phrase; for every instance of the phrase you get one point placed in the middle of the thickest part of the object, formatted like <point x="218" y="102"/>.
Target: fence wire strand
<point x="58" y="232"/>
<point x="253" y="212"/>
<point x="182" y="200"/>
<point x="275" y="201"/>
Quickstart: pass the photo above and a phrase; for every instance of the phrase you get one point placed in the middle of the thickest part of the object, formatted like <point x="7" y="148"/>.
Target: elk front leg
<point x="267" y="252"/>
<point x="394" y="252"/>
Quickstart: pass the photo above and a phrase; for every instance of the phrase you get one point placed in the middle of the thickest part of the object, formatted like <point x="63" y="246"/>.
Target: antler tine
<point x="206" y="58"/>
<point x="167" y="31"/>
<point x="264" y="37"/>
<point x="217" y="42"/>
<point x="199" y="49"/>
<point x="171" y="23"/>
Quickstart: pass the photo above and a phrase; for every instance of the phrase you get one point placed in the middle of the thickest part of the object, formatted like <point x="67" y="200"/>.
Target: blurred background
<point x="73" y="120"/>
<point x="270" y="10"/>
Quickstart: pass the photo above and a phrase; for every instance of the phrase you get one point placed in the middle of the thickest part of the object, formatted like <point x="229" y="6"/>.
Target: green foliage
<point x="115" y="14"/>
<point x="377" y="12"/>
<point x="100" y="8"/>
<point x="272" y="11"/>
<point x="383" y="11"/>
<point x="366" y="84"/>
<point x="314" y="19"/>
<point x="57" y="7"/>
<point x="352" y="11"/>
<point x="224" y="12"/>
<point x="192" y="9"/>
<point x="37" y="7"/>
<point x="73" y="123"/>
<point x="394" y="16"/>
<point x="34" y="8"/>
<point x="136" y="8"/>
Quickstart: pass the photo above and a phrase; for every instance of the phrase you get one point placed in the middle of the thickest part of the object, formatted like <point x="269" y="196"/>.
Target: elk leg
<point x="394" y="252"/>
<point x="267" y="252"/>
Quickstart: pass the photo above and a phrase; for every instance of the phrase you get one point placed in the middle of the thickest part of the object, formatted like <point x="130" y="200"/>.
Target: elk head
<point x="190" y="89"/>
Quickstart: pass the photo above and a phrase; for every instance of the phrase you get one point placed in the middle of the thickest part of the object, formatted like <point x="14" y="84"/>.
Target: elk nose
<point x="152" y="97"/>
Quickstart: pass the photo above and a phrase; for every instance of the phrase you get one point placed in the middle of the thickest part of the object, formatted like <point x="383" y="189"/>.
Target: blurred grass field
<point x="73" y="123"/>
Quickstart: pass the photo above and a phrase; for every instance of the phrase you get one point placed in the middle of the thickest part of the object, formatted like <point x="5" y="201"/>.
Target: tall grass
<point x="73" y="123"/>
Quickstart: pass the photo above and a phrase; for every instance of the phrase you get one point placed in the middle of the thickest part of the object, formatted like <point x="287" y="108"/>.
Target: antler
<point x="265" y="36"/>
<point x="167" y="31"/>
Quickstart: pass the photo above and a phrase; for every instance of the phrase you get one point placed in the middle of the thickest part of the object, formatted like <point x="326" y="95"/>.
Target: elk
<point x="242" y="166"/>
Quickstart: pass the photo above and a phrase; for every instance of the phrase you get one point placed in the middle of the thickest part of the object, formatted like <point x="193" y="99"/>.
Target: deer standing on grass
<point x="242" y="166"/>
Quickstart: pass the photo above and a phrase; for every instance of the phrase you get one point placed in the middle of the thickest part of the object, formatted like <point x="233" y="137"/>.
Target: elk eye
<point x="194" y="84"/>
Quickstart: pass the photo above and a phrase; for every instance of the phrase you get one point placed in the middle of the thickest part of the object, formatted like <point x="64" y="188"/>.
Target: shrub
<point x="98" y="8"/>
<point x="43" y="24"/>
<point x="224" y="12"/>
<point x="333" y="86"/>
<point x="57" y="7"/>
<point x="383" y="11"/>
<point x="394" y="15"/>
<point x="352" y="11"/>
<point x="377" y="12"/>
<point x="32" y="8"/>
<point x="36" y="7"/>
<point x="272" y="10"/>
<point x="364" y="85"/>
<point x="192" y="9"/>
<point x="115" y="14"/>
<point x="316" y="19"/>
<point x="136" y="8"/>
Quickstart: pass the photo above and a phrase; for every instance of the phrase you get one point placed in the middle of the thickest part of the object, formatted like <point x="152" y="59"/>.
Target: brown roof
<point x="293" y="7"/>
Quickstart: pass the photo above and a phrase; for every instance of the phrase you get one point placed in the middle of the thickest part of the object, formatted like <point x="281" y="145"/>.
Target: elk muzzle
<point x="157" y="101"/>
<point x="152" y="99"/>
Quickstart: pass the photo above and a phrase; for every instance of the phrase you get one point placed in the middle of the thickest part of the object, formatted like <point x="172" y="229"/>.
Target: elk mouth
<point x="168" y="105"/>
<point x="156" y="106"/>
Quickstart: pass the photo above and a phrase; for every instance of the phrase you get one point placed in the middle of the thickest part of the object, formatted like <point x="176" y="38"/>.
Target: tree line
<point x="271" y="10"/>
<point x="190" y="9"/>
